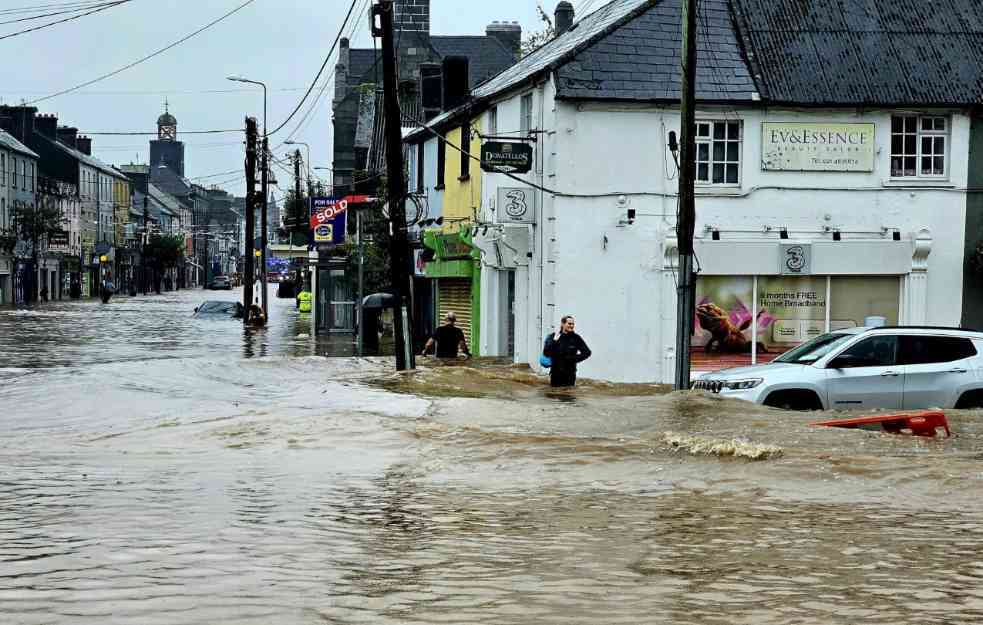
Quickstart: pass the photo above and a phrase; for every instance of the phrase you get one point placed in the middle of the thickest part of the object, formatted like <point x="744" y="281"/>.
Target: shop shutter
<point x="454" y="295"/>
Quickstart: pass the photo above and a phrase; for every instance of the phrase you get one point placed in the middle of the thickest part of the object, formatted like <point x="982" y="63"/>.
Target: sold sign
<point x="324" y="210"/>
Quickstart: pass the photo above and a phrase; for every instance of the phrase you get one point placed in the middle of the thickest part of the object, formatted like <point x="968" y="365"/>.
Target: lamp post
<point x="266" y="191"/>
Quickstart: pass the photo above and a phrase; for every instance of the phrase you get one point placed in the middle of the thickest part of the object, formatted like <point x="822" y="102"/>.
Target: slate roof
<point x="10" y="142"/>
<point x="84" y="158"/>
<point x="864" y="52"/>
<point x="487" y="56"/>
<point x="641" y="60"/>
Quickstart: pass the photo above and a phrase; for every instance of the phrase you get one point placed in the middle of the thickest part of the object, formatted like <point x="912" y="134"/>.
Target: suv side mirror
<point x="845" y="361"/>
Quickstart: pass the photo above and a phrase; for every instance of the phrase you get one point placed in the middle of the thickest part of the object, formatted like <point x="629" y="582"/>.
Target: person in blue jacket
<point x="566" y="349"/>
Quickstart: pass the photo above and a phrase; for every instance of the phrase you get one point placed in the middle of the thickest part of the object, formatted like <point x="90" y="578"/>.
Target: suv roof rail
<point x="948" y="328"/>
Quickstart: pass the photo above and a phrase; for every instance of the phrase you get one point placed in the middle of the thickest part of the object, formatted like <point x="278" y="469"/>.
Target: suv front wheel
<point x="794" y="399"/>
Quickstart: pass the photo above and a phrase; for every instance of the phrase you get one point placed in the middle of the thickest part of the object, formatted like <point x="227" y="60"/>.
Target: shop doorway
<point x="335" y="309"/>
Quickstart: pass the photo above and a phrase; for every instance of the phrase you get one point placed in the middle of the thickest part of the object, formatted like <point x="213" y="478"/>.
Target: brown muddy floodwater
<point x="156" y="468"/>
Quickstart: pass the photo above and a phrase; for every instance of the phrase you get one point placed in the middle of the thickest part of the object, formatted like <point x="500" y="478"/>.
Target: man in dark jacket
<point x="447" y="339"/>
<point x="566" y="348"/>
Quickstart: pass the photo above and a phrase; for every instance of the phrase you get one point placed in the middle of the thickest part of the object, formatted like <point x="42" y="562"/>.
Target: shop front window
<point x="782" y="313"/>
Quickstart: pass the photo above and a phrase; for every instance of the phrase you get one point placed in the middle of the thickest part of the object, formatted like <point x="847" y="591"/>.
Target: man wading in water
<point x="566" y="348"/>
<point x="448" y="339"/>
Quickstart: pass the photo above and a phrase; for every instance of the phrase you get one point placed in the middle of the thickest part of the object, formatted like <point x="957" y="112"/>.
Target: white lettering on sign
<point x="331" y="212"/>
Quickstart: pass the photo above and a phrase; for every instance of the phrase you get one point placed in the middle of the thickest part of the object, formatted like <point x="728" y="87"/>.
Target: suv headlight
<point x="741" y="385"/>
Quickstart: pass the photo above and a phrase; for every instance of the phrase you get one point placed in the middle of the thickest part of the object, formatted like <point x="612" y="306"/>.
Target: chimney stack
<point x="563" y="17"/>
<point x="510" y="34"/>
<point x="47" y="126"/>
<point x="412" y="16"/>
<point x="68" y="136"/>
<point x="19" y="121"/>
<point x="84" y="145"/>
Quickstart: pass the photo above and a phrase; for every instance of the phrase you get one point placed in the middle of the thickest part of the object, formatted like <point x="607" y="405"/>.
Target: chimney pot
<point x="563" y="17"/>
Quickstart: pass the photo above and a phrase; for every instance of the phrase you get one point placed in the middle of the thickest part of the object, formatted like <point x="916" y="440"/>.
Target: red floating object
<point x="915" y="424"/>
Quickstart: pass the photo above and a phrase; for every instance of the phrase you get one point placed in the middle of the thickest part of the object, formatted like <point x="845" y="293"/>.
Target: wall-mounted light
<point x="783" y="233"/>
<point x="836" y="235"/>
<point x="673" y="142"/>
<point x="631" y="216"/>
<point x="715" y="235"/>
<point x="896" y="235"/>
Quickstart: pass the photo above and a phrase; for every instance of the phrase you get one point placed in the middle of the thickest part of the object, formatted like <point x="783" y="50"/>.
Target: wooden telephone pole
<point x="247" y="286"/>
<point x="382" y="26"/>
<point x="686" y="287"/>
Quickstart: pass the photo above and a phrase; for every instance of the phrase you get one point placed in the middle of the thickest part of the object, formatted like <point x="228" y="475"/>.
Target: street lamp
<point x="265" y="188"/>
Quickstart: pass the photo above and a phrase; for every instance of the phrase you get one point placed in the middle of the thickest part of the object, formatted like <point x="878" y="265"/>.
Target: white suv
<point x="893" y="368"/>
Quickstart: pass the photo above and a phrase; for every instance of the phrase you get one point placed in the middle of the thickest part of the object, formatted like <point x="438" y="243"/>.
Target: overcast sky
<point x="280" y="42"/>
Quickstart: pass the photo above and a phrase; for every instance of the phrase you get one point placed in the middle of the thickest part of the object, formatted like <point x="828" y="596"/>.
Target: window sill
<point x="464" y="178"/>
<point x="718" y="190"/>
<point x="940" y="183"/>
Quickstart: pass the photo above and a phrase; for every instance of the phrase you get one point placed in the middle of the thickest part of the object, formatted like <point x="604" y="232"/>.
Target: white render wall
<point x="613" y="277"/>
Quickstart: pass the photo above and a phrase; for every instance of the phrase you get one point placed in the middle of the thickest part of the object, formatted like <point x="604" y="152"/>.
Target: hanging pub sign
<point x="58" y="241"/>
<point x="511" y="157"/>
<point x="329" y="219"/>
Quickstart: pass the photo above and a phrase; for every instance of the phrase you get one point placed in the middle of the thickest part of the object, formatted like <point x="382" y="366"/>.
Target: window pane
<point x="909" y="166"/>
<point x="897" y="124"/>
<point x="926" y="164"/>
<point x="928" y="123"/>
<point x="722" y="329"/>
<point x="791" y="311"/>
<point x="926" y="145"/>
<point x="897" y="144"/>
<point x="909" y="124"/>
<point x="702" y="172"/>
<point x="733" y="149"/>
<point x="734" y="130"/>
<point x="718" y="173"/>
<point x="703" y="152"/>
<point x="910" y="145"/>
<point x="921" y="350"/>
<point x="855" y="298"/>
<point x="718" y="150"/>
<point x="877" y="351"/>
<point x="940" y="123"/>
<point x="718" y="131"/>
<point x="703" y="130"/>
<point x="939" y="145"/>
<point x="731" y="174"/>
<point x="938" y="165"/>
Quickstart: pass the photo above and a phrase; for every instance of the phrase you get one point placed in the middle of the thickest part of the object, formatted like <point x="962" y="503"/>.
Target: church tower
<point x="166" y="150"/>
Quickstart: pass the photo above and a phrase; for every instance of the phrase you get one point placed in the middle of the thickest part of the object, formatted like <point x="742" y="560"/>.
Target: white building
<point x="18" y="175"/>
<point x="829" y="195"/>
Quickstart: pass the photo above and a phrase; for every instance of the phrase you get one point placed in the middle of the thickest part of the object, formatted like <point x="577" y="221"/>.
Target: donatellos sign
<point x="511" y="158"/>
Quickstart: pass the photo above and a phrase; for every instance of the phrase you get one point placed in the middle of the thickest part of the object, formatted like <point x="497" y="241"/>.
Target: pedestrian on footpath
<point x="566" y="349"/>
<point x="447" y="338"/>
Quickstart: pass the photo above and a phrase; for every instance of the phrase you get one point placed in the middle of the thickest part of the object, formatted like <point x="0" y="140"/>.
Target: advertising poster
<point x="791" y="311"/>
<point x="722" y="328"/>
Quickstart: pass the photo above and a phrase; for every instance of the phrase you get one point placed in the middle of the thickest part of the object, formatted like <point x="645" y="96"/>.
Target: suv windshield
<point x="810" y="352"/>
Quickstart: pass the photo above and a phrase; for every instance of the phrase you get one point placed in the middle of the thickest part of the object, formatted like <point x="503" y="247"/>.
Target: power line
<point x="146" y="58"/>
<point x="351" y="10"/>
<point x="163" y="92"/>
<point x="67" y="19"/>
<point x="143" y="134"/>
<point x="54" y="14"/>
<point x="41" y="8"/>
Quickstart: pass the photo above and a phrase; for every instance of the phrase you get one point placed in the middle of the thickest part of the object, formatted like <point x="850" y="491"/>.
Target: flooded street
<point x="157" y="468"/>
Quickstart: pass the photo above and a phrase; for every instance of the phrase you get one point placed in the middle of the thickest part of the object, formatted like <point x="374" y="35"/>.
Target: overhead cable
<point x="66" y="19"/>
<point x="56" y="13"/>
<point x="300" y="104"/>
<point x="146" y="58"/>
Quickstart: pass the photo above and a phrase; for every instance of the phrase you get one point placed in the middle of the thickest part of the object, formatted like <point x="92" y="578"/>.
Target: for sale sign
<point x="329" y="219"/>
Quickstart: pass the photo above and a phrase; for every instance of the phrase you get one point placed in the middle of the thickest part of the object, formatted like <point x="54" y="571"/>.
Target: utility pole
<point x="146" y="237"/>
<point x="266" y="210"/>
<point x="297" y="200"/>
<point x="382" y="26"/>
<point x="359" y="311"/>
<point x="686" y="287"/>
<point x="247" y="286"/>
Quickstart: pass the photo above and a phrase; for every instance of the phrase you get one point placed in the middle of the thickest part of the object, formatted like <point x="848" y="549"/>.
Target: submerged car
<point x="231" y="310"/>
<point x="859" y="368"/>
<point x="220" y="283"/>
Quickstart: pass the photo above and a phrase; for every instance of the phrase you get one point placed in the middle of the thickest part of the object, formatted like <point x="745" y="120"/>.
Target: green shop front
<point x="456" y="268"/>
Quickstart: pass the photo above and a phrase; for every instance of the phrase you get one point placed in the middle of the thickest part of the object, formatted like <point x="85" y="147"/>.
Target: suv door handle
<point x="958" y="370"/>
<point x="890" y="374"/>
